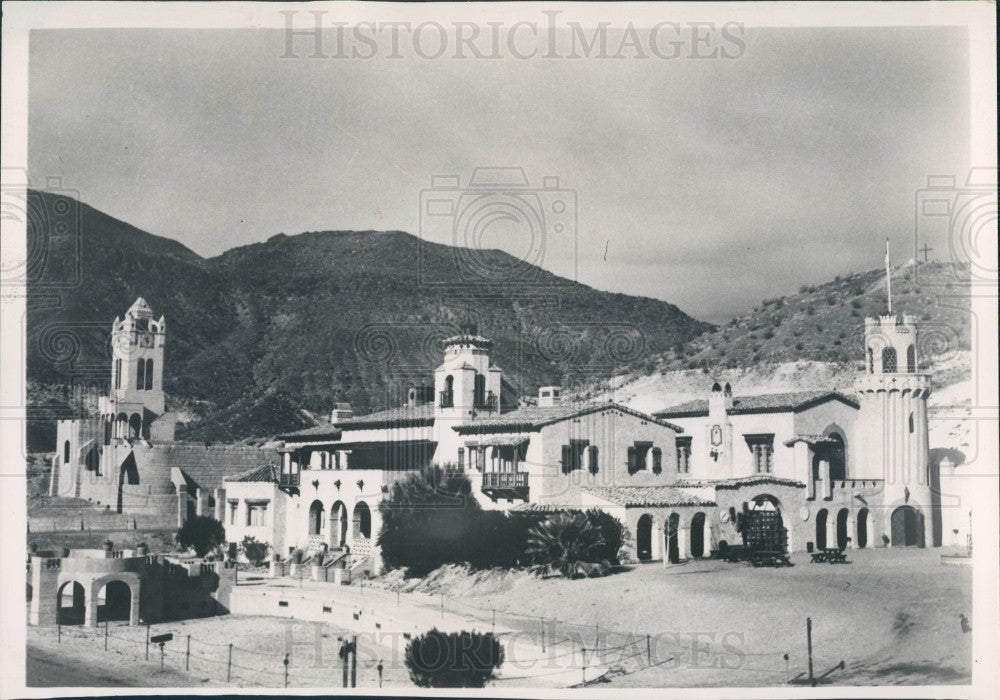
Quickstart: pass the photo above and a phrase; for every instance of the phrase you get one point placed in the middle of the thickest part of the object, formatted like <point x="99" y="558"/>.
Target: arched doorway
<point x="673" y="546"/>
<point x="765" y="527"/>
<point x="362" y="520"/>
<point x="316" y="518"/>
<point x="135" y="426"/>
<point x="71" y="604"/>
<point x="121" y="426"/>
<point x="698" y="535"/>
<point x="907" y="526"/>
<point x="821" y="529"/>
<point x="837" y="454"/>
<point x="644" y="538"/>
<point x="843" y="517"/>
<point x="338" y="523"/>
<point x="114" y="601"/>
<point x="862" y="532"/>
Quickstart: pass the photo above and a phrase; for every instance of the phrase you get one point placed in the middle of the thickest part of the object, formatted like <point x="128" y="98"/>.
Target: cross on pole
<point x="926" y="249"/>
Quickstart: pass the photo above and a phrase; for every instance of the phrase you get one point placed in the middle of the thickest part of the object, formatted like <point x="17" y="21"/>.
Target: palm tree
<point x="569" y="545"/>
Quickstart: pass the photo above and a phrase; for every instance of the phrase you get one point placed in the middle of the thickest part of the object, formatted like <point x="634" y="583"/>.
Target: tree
<point x="201" y="533"/>
<point x="453" y="660"/>
<point x="254" y="551"/>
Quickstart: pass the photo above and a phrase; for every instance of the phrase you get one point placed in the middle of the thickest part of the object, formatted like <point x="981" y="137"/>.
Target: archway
<point x="673" y="546"/>
<point x="843" y="517"/>
<point x="907" y="526"/>
<point x="644" y="538"/>
<point x="121" y="425"/>
<point x="698" y="535"/>
<point x="135" y="426"/>
<point x="821" y="529"/>
<point x="315" y="518"/>
<point x="71" y="604"/>
<point x="338" y="523"/>
<point x="862" y="532"/>
<point x="837" y="454"/>
<point x="362" y="520"/>
<point x="114" y="601"/>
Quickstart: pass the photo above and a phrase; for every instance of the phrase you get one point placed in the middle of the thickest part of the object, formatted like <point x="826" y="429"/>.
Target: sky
<point x="709" y="183"/>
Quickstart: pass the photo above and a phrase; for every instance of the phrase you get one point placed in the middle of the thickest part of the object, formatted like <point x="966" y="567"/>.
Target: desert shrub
<point x="831" y="300"/>
<point x="799" y="346"/>
<point x="613" y="533"/>
<point x="857" y="290"/>
<point x="201" y="533"/>
<point x="254" y="551"/>
<point x="768" y="334"/>
<point x="453" y="659"/>
<point x="568" y="544"/>
<point x="856" y="304"/>
<point x="811" y="310"/>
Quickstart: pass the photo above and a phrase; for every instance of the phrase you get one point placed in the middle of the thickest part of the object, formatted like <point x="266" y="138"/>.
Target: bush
<point x="453" y="660"/>
<point x="613" y="533"/>
<point x="201" y="533"/>
<point x="856" y="303"/>
<point x="254" y="551"/>
<point x="568" y="544"/>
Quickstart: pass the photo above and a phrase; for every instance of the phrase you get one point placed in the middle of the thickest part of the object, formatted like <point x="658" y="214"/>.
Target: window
<point x="889" y="360"/>
<point x="461" y="458"/>
<point x="233" y="505"/>
<point x="683" y="455"/>
<point x="66" y="452"/>
<point x="480" y="458"/>
<point x="593" y="463"/>
<point x="657" y="460"/>
<point x="479" y="391"/>
<point x="140" y="375"/>
<point x="448" y="395"/>
<point x="256" y="514"/>
<point x="118" y="374"/>
<point x="572" y="455"/>
<point x="637" y="456"/>
<point x="871" y="361"/>
<point x="762" y="449"/>
<point x="149" y="374"/>
<point x="911" y="360"/>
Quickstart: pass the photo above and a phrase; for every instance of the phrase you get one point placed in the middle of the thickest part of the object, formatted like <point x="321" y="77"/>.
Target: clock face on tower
<point x="145" y="340"/>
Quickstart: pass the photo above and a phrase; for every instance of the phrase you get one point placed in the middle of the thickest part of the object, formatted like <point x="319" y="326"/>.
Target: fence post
<point x="286" y="670"/>
<point x="59" y="641"/>
<point x="543" y="635"/>
<point x="106" y="621"/>
<point x="147" y="641"/>
<point x="354" y="661"/>
<point x="809" y="648"/>
<point x="493" y="627"/>
<point x="187" y="655"/>
<point x="649" y="651"/>
<point x="229" y="664"/>
<point x="583" y="666"/>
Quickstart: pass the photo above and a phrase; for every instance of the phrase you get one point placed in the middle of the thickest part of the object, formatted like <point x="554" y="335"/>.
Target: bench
<point x="829" y="556"/>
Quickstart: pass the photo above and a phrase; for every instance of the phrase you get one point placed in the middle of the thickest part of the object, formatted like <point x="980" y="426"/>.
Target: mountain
<point x="826" y="322"/>
<point x="265" y="336"/>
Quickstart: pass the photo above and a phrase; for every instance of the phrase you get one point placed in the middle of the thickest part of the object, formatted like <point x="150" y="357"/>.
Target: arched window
<point x="140" y="375"/>
<point x="316" y="517"/>
<point x="362" y="520"/>
<point x="871" y="361"/>
<point x="593" y="466"/>
<point x="448" y="395"/>
<point x="118" y="374"/>
<point x="889" y="360"/>
<point x="911" y="359"/>
<point x="66" y="452"/>
<point x="149" y="374"/>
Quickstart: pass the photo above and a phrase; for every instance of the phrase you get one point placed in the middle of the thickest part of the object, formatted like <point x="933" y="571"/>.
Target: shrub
<point x="799" y="346"/>
<point x="201" y="533"/>
<point x="811" y="310"/>
<point x="613" y="532"/>
<point x="768" y="334"/>
<point x="254" y="551"/>
<point x="453" y="660"/>
<point x="856" y="304"/>
<point x="568" y="544"/>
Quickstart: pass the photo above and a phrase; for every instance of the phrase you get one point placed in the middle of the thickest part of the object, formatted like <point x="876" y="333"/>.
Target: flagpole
<point x="888" y="276"/>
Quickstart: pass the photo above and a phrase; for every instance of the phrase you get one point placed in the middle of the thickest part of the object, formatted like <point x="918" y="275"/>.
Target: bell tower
<point x="137" y="342"/>
<point x="892" y="428"/>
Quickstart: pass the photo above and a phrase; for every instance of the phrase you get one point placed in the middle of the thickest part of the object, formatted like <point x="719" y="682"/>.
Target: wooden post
<point x="809" y="649"/>
<point x="106" y="621"/>
<point x="649" y="651"/>
<point x="343" y="657"/>
<point x="229" y="664"/>
<point x="493" y="626"/>
<point x="187" y="655"/>
<point x="354" y="661"/>
<point x="583" y="666"/>
<point x="162" y="653"/>
<point x="59" y="640"/>
<point x="147" y="641"/>
<point x="286" y="670"/>
<point x="543" y="635"/>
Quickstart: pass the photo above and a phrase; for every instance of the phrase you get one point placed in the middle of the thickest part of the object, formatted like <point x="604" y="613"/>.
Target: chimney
<point x="727" y="393"/>
<point x="718" y="402"/>
<point x="340" y="412"/>
<point x="549" y="395"/>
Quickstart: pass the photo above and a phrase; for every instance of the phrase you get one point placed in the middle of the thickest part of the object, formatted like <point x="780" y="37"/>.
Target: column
<point x="800" y="463"/>
<point x="200" y="501"/>
<point x="220" y="505"/>
<point x="831" y="530"/>
<point x="133" y="613"/>
<point x="683" y="538"/>
<point x="91" y="619"/>
<point x="707" y="544"/>
<point x="181" y="505"/>
<point x="824" y="476"/>
<point x="852" y="530"/>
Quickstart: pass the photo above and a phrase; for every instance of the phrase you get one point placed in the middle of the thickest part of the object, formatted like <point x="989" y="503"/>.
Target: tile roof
<point x="203" y="466"/>
<point x="395" y="417"/>
<point x="812" y="440"/>
<point x="266" y="473"/>
<point x="757" y="480"/>
<point x="534" y="417"/>
<point x="761" y="403"/>
<point x="647" y="496"/>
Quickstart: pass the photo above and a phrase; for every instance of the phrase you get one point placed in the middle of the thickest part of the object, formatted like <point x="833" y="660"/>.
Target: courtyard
<point x="891" y="615"/>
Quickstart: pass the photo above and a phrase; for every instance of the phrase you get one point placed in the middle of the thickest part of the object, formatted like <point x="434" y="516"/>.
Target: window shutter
<point x="657" y="460"/>
<point x="566" y="459"/>
<point x="631" y="460"/>
<point x="593" y="459"/>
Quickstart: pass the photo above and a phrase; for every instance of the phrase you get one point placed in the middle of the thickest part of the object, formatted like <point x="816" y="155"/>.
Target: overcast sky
<point x="708" y="183"/>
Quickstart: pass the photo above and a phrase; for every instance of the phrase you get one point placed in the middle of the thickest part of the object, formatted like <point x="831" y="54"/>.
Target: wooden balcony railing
<point x="505" y="480"/>
<point x="446" y="399"/>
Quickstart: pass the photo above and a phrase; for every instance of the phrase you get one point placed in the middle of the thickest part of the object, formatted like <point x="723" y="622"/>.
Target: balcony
<point x="505" y="485"/>
<point x="289" y="480"/>
<point x="488" y="402"/>
<point x="446" y="399"/>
